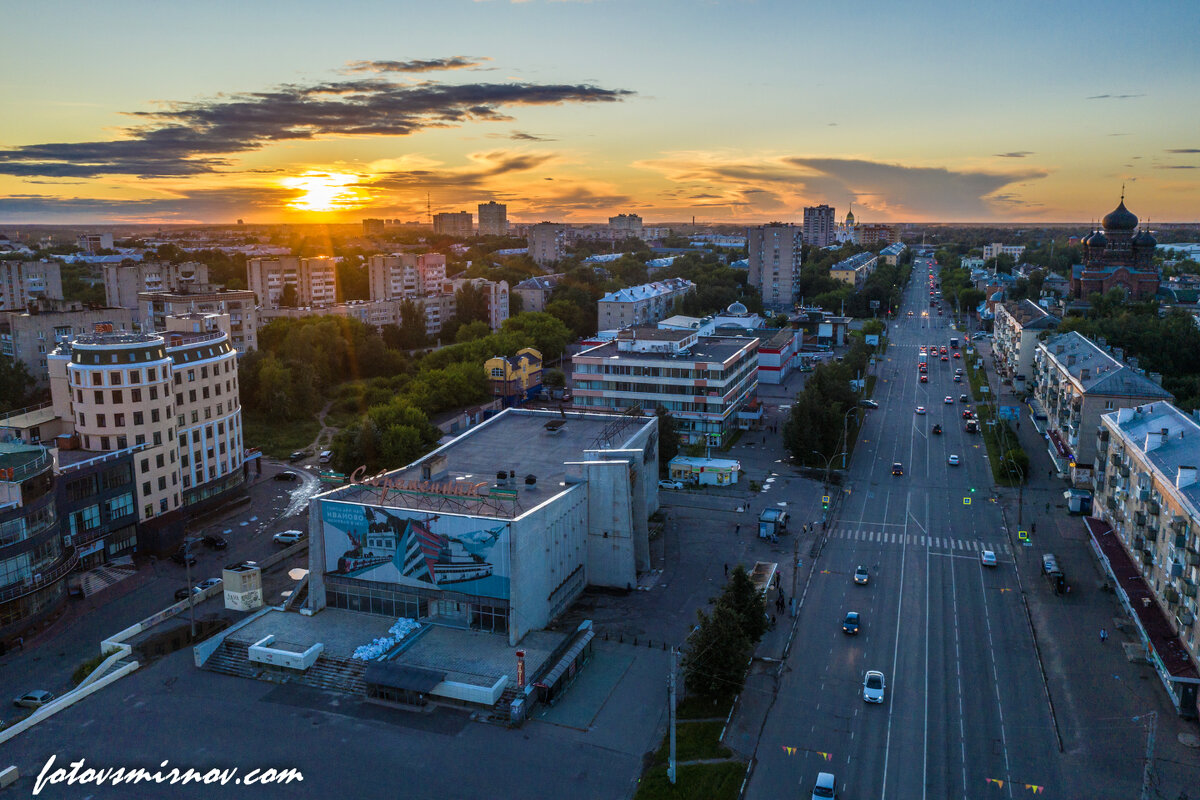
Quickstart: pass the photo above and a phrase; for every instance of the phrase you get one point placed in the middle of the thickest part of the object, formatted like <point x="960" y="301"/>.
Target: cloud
<point x="888" y="190"/>
<point x="1184" y="150"/>
<point x="1176" y="166"/>
<point x="1015" y="154"/>
<point x="428" y="65"/>
<point x="194" y="138"/>
<point x="577" y="198"/>
<point x="199" y="205"/>
<point x="523" y="136"/>
<point x="487" y="166"/>
<point x="1113" y="96"/>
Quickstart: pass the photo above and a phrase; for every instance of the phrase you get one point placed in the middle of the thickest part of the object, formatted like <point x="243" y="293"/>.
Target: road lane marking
<point x="887" y="748"/>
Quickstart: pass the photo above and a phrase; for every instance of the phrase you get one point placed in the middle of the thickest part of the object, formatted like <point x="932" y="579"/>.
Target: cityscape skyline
<point x="933" y="112"/>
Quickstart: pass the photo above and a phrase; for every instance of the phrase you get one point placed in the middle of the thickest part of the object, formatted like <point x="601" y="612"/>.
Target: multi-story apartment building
<point x="29" y="336"/>
<point x="820" y="226"/>
<point x="23" y="281"/>
<point x="775" y="255"/>
<point x="239" y="304"/>
<point x="891" y="254"/>
<point x="496" y="293"/>
<point x="94" y="242"/>
<point x="1146" y="488"/>
<point x="1017" y="328"/>
<point x="124" y="282"/>
<point x="1076" y="381"/>
<point x="641" y="305"/>
<point x="535" y="292"/>
<point x="514" y="379"/>
<point x="996" y="248"/>
<point x="405" y="275"/>
<point x="373" y="227"/>
<point x="625" y="226"/>
<point x="313" y="280"/>
<point x="174" y="395"/>
<point x="456" y="223"/>
<point x="855" y="270"/>
<point x="34" y="561"/>
<point x="493" y="219"/>
<point x="547" y="243"/>
<point x="375" y="313"/>
<point x="702" y="381"/>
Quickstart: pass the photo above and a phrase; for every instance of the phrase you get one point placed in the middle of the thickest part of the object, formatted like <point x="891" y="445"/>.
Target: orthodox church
<point x="1118" y="256"/>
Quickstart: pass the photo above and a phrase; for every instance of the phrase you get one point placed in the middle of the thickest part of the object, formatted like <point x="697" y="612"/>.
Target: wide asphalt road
<point x="965" y="714"/>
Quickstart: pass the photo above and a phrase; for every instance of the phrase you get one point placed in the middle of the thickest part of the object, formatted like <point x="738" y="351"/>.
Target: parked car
<point x="873" y="686"/>
<point x="35" y="699"/>
<point x="215" y="542"/>
<point x="183" y="555"/>
<point x="670" y="484"/>
<point x="868" y="404"/>
<point x="860" y="575"/>
<point x="286" y="475"/>
<point x="299" y="455"/>
<point x="182" y="594"/>
<point x="850" y="623"/>
<point x="288" y="537"/>
<point x="207" y="584"/>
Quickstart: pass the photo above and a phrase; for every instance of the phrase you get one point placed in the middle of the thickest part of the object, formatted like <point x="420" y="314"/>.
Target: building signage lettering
<point x="450" y="488"/>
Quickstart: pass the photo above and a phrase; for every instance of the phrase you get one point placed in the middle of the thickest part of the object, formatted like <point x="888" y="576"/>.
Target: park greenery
<point x="719" y="647"/>
<point x="381" y="398"/>
<point x="817" y="422"/>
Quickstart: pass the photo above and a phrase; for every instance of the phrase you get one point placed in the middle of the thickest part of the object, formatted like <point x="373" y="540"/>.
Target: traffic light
<point x="972" y="490"/>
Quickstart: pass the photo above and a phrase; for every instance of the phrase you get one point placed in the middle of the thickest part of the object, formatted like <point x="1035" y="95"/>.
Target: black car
<point x="182" y="556"/>
<point x="286" y="475"/>
<point x="850" y="623"/>
<point x="183" y="594"/>
<point x="298" y="455"/>
<point x="937" y="429"/>
<point x="897" y="468"/>
<point x="962" y="398"/>
<point x="868" y="404"/>
<point x="215" y="542"/>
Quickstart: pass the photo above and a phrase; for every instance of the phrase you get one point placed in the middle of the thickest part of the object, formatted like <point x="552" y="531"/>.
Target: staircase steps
<point x="233" y="658"/>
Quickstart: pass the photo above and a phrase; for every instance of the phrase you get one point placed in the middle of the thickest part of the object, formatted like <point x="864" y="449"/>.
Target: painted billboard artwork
<point x="444" y="551"/>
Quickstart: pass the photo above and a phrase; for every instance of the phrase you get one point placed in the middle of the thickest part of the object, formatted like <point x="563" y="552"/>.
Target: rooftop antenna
<point x="1122" y="191"/>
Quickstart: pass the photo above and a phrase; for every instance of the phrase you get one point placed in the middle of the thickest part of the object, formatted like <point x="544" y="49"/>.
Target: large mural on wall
<point x="414" y="548"/>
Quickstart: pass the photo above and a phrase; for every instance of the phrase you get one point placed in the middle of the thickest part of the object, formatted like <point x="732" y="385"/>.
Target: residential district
<point x="839" y="508"/>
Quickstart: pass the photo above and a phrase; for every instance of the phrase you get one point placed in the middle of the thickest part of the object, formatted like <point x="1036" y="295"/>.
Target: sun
<point x="326" y="191"/>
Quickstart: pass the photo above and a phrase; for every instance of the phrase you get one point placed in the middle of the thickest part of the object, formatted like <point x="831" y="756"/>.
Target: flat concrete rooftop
<point x="516" y="440"/>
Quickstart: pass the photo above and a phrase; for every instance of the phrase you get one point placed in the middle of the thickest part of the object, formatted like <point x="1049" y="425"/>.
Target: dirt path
<point x="324" y="438"/>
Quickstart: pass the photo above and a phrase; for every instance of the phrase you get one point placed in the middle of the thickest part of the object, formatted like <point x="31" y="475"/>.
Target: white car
<point x="824" y="787"/>
<point x="987" y="558"/>
<point x="288" y="537"/>
<point x="873" y="686"/>
<point x="949" y="400"/>
<point x="35" y="699"/>
<point x="670" y="485"/>
<point x="921" y="410"/>
<point x="208" y="584"/>
<point x="952" y="460"/>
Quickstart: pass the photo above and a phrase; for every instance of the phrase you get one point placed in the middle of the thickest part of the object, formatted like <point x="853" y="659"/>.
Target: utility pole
<point x="671" y="712"/>
<point x="187" y="564"/>
<point x="1152" y="723"/>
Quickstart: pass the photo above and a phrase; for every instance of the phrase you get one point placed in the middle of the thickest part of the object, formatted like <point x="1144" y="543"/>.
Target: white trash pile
<point x="402" y="628"/>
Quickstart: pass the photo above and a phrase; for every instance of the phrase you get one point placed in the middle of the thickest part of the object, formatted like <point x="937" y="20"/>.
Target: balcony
<point x="1139" y="519"/>
<point x="1189" y="589"/>
<point x="1153" y="508"/>
<point x="1170" y="594"/>
<point x="1185" y="619"/>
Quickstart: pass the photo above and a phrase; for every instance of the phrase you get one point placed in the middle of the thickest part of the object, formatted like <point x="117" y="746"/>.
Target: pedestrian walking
<point x="21" y="643"/>
<point x="737" y="529"/>
<point x="1103" y="636"/>
<point x="1033" y="527"/>
<point x="726" y="570"/>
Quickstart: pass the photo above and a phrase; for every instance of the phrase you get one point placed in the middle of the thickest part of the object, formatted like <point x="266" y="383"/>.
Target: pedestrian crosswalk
<point x="920" y="540"/>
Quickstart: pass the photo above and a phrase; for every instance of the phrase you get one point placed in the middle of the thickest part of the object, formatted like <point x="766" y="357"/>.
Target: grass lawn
<point x="978" y="378"/>
<point x="708" y="781"/>
<point x="995" y="447"/>
<point x="276" y="437"/>
<point x="697" y="708"/>
<point x="695" y="741"/>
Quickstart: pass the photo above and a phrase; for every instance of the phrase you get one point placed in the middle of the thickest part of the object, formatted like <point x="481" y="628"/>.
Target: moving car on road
<point x="873" y="686"/>
<point x="823" y="789"/>
<point x="949" y="400"/>
<point x="952" y="460"/>
<point x="288" y="537"/>
<point x="987" y="558"/>
<point x="920" y="411"/>
<point x="860" y="575"/>
<point x="937" y="429"/>
<point x="850" y="623"/>
<point x="897" y="468"/>
<point x="286" y="475"/>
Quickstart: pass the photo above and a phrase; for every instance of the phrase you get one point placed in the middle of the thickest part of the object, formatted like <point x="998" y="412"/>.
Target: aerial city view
<point x="613" y="399"/>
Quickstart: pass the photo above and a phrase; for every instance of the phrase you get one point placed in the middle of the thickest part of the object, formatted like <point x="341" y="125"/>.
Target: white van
<point x="326" y="456"/>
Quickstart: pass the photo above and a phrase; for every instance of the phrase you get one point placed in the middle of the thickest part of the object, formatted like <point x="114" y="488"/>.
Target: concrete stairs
<point x="499" y="713"/>
<point x="233" y="658"/>
<point x="100" y="578"/>
<point x="330" y="674"/>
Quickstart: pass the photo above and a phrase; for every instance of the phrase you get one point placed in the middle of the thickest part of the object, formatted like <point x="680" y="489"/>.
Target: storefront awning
<point x="399" y="676"/>
<point x="556" y="672"/>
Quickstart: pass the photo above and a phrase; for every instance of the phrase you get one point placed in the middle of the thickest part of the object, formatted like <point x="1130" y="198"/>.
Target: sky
<point x="727" y="111"/>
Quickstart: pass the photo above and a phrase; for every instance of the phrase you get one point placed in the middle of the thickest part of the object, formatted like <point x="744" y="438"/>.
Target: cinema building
<point x="499" y="530"/>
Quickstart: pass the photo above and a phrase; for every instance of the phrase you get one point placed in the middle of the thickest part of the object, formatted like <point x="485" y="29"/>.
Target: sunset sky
<point x="726" y="110"/>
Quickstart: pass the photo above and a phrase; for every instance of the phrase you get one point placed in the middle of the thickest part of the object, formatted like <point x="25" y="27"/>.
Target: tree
<point x="412" y="326"/>
<point x="470" y="331"/>
<point x="548" y="333"/>
<point x="668" y="439"/>
<point x="747" y="602"/>
<point x="1015" y="463"/>
<point x="714" y="665"/>
<point x="16" y="385"/>
<point x="553" y="378"/>
<point x="470" y="304"/>
<point x="573" y="317"/>
<point x="288" y="297"/>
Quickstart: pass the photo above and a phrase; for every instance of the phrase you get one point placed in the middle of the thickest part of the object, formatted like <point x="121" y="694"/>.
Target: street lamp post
<point x="845" y="441"/>
<point x="187" y="565"/>
<point x="828" y="462"/>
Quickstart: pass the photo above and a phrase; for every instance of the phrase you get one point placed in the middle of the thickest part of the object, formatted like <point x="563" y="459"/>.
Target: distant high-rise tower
<point x="775" y="252"/>
<point x="454" y="224"/>
<point x="493" y="219"/>
<point x="626" y="226"/>
<point x="819" y="225"/>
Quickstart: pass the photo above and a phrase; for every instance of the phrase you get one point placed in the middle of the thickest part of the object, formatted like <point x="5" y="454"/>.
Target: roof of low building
<point x="1106" y="374"/>
<point x="1144" y="426"/>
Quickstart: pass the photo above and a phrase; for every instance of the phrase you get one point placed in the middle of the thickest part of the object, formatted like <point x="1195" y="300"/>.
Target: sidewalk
<point x="1096" y="691"/>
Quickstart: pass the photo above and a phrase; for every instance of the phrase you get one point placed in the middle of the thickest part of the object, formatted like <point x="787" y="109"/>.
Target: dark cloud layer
<point x="1184" y="150"/>
<point x="487" y="166"/>
<point x="187" y="206"/>
<point x="1113" y="96"/>
<point x="1015" y="154"/>
<point x="426" y="65"/>
<point x="194" y="138"/>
